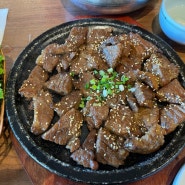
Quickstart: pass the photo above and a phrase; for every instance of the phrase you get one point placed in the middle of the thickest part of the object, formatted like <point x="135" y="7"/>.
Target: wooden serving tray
<point x="2" y="105"/>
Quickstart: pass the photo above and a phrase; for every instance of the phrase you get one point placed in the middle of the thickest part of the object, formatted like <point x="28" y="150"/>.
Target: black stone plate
<point x="56" y="158"/>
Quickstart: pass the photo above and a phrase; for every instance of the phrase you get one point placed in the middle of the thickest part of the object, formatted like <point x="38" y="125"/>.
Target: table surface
<point x="27" y="19"/>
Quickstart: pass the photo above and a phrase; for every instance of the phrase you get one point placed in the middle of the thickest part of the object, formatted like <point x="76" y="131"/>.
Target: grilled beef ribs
<point x="90" y="141"/>
<point x="144" y="95"/>
<point x="85" y="62"/>
<point x="172" y="92"/>
<point x="48" y="61"/>
<point x="68" y="102"/>
<point x="85" y="158"/>
<point x="73" y="144"/>
<point x="132" y="102"/>
<point x="97" y="35"/>
<point x="81" y="83"/>
<point x="172" y="116"/>
<point x="109" y="148"/>
<point x="119" y="86"/>
<point x="160" y="66"/>
<point x="76" y="38"/>
<point x="151" y="141"/>
<point x="120" y="120"/>
<point x="43" y="114"/>
<point x="148" y="78"/>
<point x="60" y="83"/>
<point x="98" y="114"/>
<point x="112" y="54"/>
<point x="65" y="61"/>
<point x="35" y="82"/>
<point x="66" y="128"/>
<point x="140" y="48"/>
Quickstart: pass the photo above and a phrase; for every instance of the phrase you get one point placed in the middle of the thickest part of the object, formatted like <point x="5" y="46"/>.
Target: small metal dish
<point x="110" y="6"/>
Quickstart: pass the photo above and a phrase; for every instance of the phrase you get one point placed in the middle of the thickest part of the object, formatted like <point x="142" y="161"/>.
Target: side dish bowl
<point x="172" y="20"/>
<point x="110" y="6"/>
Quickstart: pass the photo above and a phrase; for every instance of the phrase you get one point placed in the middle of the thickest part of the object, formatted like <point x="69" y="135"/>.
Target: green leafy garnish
<point x="1" y="76"/>
<point x="106" y="84"/>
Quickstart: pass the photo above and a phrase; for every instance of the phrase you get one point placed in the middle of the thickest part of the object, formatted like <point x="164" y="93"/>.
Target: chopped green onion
<point x="107" y="84"/>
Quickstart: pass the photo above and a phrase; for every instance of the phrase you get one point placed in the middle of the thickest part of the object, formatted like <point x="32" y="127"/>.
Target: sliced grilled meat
<point x="76" y="38"/>
<point x="112" y="54"/>
<point x="97" y="35"/>
<point x="65" y="61"/>
<point x="132" y="102"/>
<point x="85" y="158"/>
<point x="90" y="141"/>
<point x="85" y="62"/>
<point x="148" y="78"/>
<point x="171" y="117"/>
<point x="144" y="95"/>
<point x="48" y="61"/>
<point x="151" y="141"/>
<point x="43" y="114"/>
<point x="109" y="148"/>
<point x="120" y="120"/>
<point x="140" y="48"/>
<point x="82" y="81"/>
<point x="160" y="66"/>
<point x="60" y="83"/>
<point x="98" y="114"/>
<point x="34" y="83"/>
<point x="66" y="128"/>
<point x="172" y="92"/>
<point x="68" y="102"/>
<point x="73" y="144"/>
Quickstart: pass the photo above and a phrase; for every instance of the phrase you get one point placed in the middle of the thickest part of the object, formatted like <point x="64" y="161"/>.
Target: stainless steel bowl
<point x="110" y="6"/>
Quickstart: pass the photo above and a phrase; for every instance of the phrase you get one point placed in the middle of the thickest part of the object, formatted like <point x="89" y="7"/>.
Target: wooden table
<point x="26" y="20"/>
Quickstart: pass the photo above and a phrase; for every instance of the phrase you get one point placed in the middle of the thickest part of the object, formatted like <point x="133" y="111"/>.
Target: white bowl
<point x="172" y="19"/>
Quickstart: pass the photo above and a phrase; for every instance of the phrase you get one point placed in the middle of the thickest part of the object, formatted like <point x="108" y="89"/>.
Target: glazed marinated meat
<point x="109" y="148"/>
<point x="148" y="78"/>
<point x="104" y="95"/>
<point x="90" y="141"/>
<point x="144" y="95"/>
<point x="117" y="99"/>
<point x="60" y="83"/>
<point x="152" y="133"/>
<point x="132" y="102"/>
<point x="68" y="102"/>
<point x="147" y="117"/>
<point x="151" y="141"/>
<point x="98" y="114"/>
<point x="73" y="144"/>
<point x="98" y="34"/>
<point x="120" y="120"/>
<point x="82" y="81"/>
<point x="35" y="82"/>
<point x="85" y="158"/>
<point x="112" y="54"/>
<point x="48" y="61"/>
<point x="140" y="48"/>
<point x="65" y="61"/>
<point x="66" y="128"/>
<point x="76" y="38"/>
<point x="42" y="105"/>
<point x="171" y="117"/>
<point x="85" y="62"/>
<point x="160" y="66"/>
<point x="172" y="92"/>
